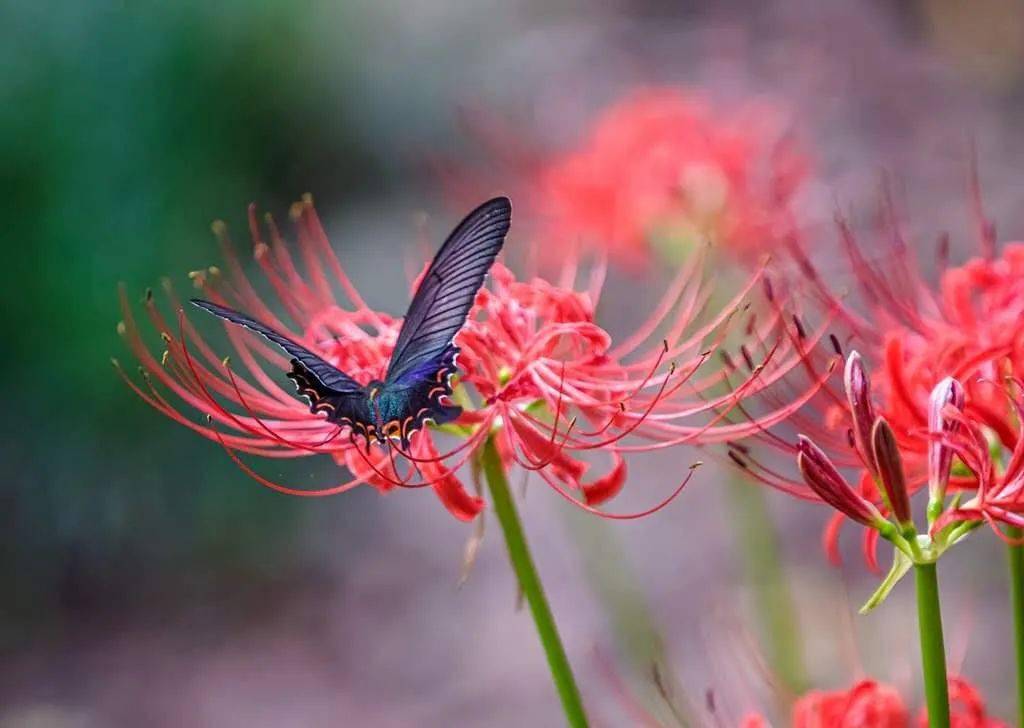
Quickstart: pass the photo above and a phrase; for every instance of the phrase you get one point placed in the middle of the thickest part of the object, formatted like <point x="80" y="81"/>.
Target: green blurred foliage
<point x="124" y="130"/>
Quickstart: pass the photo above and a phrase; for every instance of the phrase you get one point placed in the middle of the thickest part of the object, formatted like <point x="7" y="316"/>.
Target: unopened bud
<point x="947" y="393"/>
<point x="828" y="484"/>
<point x="858" y="394"/>
<point x="890" y="470"/>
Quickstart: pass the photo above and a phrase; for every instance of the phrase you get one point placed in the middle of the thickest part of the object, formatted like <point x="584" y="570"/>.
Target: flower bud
<point x="947" y="393"/>
<point x="828" y="484"/>
<point x="890" y="470"/>
<point x="858" y="394"/>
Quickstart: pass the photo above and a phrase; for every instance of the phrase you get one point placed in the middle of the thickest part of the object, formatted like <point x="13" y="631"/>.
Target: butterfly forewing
<point x="447" y="291"/>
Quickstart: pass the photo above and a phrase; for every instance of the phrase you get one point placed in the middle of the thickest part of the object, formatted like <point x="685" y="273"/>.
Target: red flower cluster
<point x="870" y="704"/>
<point x="536" y="373"/>
<point x="940" y="406"/>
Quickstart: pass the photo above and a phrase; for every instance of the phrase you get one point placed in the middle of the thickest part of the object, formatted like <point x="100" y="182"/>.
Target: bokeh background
<point x="145" y="581"/>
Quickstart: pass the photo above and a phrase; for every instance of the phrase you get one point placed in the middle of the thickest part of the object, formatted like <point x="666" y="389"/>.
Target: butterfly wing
<point x="327" y="388"/>
<point x="445" y="295"/>
<point x="419" y="374"/>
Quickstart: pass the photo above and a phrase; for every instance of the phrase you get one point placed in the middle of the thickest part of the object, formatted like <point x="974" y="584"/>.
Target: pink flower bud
<point x="947" y="393"/>
<point x="826" y="481"/>
<point x="858" y="393"/>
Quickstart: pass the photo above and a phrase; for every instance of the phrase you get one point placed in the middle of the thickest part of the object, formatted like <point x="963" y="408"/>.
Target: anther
<point x="799" y="327"/>
<point x="735" y="457"/>
<point x="746" y="357"/>
<point x="835" y="344"/>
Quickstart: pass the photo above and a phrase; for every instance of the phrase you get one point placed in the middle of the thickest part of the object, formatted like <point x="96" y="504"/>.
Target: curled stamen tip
<point x="163" y="358"/>
<point x="166" y="337"/>
<point x="198" y="278"/>
<point x="214" y="270"/>
<point x="307" y="198"/>
<point x="209" y="419"/>
<point x="672" y="368"/>
<point x="696" y="465"/>
<point x="121" y="328"/>
<point x="295" y="211"/>
<point x="226" y="361"/>
<point x="149" y="295"/>
<point x="664" y="345"/>
<point x="115" y="363"/>
<point x="259" y="250"/>
<point x="219" y="228"/>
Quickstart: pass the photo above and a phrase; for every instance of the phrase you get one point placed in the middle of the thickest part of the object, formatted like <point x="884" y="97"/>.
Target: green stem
<point x="529" y="582"/>
<point x="1017" y="605"/>
<point x="762" y="564"/>
<point x="933" y="651"/>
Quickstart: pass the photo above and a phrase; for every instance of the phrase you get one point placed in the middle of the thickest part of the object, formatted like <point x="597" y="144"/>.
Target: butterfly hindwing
<point x="327" y="388"/>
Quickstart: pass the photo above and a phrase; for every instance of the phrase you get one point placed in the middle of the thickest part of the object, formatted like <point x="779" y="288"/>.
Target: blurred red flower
<point x="870" y="704"/>
<point x="658" y="167"/>
<point x="536" y="370"/>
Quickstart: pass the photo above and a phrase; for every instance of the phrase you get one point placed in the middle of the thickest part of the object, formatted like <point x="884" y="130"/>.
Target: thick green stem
<point x="1017" y="605"/>
<point x="933" y="650"/>
<point x="533" y="590"/>
<point x="762" y="564"/>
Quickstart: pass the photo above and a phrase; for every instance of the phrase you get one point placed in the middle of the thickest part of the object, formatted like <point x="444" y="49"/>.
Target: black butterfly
<point x="423" y="361"/>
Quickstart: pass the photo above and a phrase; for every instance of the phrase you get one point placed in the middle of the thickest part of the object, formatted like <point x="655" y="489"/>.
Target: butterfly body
<point x="417" y="385"/>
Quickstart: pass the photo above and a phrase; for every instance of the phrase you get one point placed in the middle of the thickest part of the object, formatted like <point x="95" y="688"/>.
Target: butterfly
<point x="417" y="384"/>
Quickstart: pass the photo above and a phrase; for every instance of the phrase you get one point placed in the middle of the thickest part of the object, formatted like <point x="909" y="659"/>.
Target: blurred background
<point x="145" y="580"/>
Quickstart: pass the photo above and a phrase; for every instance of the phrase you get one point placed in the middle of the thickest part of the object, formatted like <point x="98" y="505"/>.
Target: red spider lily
<point x="871" y="704"/>
<point x="888" y="469"/>
<point x="661" y="163"/>
<point x="966" y="332"/>
<point x="868" y="704"/>
<point x="536" y="372"/>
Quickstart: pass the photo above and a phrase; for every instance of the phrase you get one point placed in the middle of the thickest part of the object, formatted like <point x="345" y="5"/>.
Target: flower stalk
<point x="530" y="583"/>
<point x="933" y="651"/>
